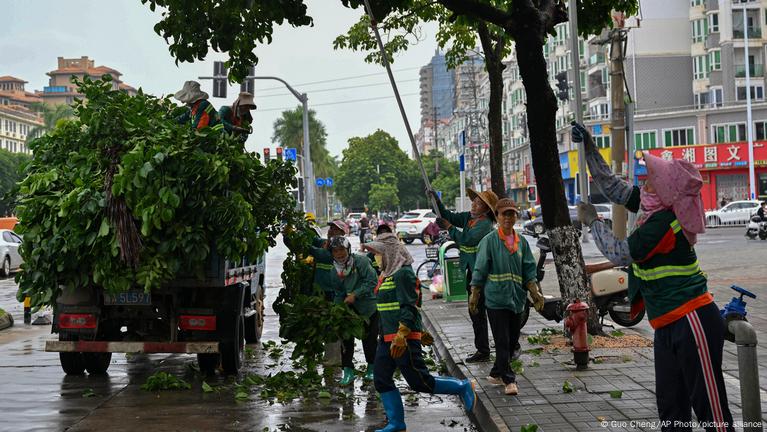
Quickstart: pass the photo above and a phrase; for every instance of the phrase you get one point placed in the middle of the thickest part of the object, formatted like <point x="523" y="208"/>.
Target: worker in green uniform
<point x="467" y="229"/>
<point x="505" y="271"/>
<point x="199" y="112"/>
<point x="354" y="284"/>
<point x="237" y="118"/>
<point x="666" y="280"/>
<point x="399" y="346"/>
<point x="324" y="273"/>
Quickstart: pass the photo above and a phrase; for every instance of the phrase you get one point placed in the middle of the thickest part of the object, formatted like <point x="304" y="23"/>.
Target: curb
<point x="6" y="321"/>
<point x="485" y="414"/>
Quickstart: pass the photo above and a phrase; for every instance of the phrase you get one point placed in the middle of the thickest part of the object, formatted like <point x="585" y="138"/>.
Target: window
<point x="757" y="93"/>
<point x="761" y="130"/>
<point x="715" y="60"/>
<point x="699" y="30"/>
<point x="730" y="132"/>
<point x="645" y="140"/>
<point x="602" y="141"/>
<point x="716" y="97"/>
<point x="701" y="100"/>
<point x="583" y="81"/>
<point x="678" y="137"/>
<point x="700" y="67"/>
<point x="713" y="22"/>
<point x="694" y="3"/>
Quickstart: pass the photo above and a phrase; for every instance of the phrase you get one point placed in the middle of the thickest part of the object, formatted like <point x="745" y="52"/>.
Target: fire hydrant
<point x="578" y="314"/>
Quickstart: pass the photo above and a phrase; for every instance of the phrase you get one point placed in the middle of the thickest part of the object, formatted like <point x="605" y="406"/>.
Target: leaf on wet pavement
<point x="89" y="393"/>
<point x="206" y="387"/>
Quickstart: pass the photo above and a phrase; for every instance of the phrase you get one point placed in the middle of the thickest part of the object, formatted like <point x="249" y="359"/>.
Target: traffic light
<point x="219" y="84"/>
<point x="301" y="189"/>
<point x="562" y="86"/>
<point x="249" y="84"/>
<point x="532" y="193"/>
<point x="279" y="153"/>
<point x="267" y="154"/>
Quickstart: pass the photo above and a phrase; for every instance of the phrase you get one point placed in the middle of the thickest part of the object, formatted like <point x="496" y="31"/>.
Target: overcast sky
<point x="119" y="34"/>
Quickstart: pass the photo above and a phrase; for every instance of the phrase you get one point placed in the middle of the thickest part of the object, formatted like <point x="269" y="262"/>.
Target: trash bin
<point x="454" y="277"/>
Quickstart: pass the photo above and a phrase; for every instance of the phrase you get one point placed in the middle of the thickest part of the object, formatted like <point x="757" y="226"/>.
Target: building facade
<point x="61" y="89"/>
<point x="17" y="120"/>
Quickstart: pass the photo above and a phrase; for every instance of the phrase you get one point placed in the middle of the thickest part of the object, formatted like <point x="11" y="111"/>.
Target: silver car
<point x="9" y="251"/>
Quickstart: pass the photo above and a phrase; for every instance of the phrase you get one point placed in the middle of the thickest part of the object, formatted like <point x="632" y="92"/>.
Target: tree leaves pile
<point x="188" y="194"/>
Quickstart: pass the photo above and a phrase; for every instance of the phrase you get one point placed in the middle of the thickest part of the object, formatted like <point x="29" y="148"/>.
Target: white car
<point x="734" y="213"/>
<point x="605" y="211"/>
<point x="9" y="251"/>
<point x="412" y="224"/>
<point x="353" y="220"/>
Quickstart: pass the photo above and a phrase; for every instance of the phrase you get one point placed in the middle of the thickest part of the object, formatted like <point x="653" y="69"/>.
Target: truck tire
<point x="233" y="349"/>
<point x="71" y="362"/>
<point x="208" y="363"/>
<point x="254" y="324"/>
<point x="231" y="330"/>
<point x="97" y="363"/>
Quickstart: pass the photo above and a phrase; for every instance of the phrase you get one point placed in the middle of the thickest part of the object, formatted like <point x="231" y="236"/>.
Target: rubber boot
<point x="395" y="412"/>
<point x="450" y="385"/>
<point x="348" y="377"/>
<point x="369" y="373"/>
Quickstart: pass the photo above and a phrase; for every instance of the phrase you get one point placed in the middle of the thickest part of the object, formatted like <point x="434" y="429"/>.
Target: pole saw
<point x="385" y="60"/>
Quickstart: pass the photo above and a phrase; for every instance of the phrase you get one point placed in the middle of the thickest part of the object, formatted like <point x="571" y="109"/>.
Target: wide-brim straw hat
<point x="246" y="100"/>
<point x="488" y="197"/>
<point x="190" y="93"/>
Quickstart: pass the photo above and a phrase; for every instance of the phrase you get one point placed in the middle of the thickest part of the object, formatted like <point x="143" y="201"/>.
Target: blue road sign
<point x="462" y="138"/>
<point x="439" y="195"/>
<point x="291" y="154"/>
<point x="320" y="182"/>
<point x="461" y="163"/>
<point x="329" y="182"/>
<point x="597" y="128"/>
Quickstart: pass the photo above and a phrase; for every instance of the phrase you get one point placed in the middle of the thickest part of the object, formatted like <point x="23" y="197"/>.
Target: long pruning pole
<point x="385" y="60"/>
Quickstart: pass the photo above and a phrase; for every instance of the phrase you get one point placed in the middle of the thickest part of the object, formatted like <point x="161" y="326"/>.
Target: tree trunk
<point x="495" y="67"/>
<point x="541" y="120"/>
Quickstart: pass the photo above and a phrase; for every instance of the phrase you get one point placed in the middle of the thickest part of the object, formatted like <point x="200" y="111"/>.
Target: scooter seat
<point x="598" y="267"/>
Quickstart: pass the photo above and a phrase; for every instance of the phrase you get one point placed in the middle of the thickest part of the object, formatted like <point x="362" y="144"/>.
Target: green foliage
<point x="529" y="428"/>
<point x="568" y="387"/>
<point x="185" y="192"/>
<point x="383" y="196"/>
<point x="164" y="381"/>
<point x="289" y="132"/>
<point x="444" y="176"/>
<point x="235" y="27"/>
<point x="617" y="333"/>
<point x="517" y="367"/>
<point x="89" y="393"/>
<point x="616" y="394"/>
<point x="207" y="387"/>
<point x="12" y="167"/>
<point x="594" y="15"/>
<point x="52" y="115"/>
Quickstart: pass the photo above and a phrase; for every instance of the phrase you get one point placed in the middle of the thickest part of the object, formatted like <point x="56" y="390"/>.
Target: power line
<point x="286" y="93"/>
<point x="337" y="102"/>
<point x="339" y="79"/>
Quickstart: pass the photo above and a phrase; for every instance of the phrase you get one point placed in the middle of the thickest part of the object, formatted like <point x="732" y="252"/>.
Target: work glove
<point x="426" y="338"/>
<point x="399" y="343"/>
<point x="444" y="224"/>
<point x="432" y="193"/>
<point x="587" y="213"/>
<point x="613" y="187"/>
<point x="579" y="133"/>
<point x="474" y="300"/>
<point x="350" y="299"/>
<point x="535" y="295"/>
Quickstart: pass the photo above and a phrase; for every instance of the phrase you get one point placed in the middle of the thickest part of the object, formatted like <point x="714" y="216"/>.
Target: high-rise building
<point x="61" y="90"/>
<point x="437" y="88"/>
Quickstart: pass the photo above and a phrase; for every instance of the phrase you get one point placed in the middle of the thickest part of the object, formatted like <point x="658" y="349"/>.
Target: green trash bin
<point x="454" y="277"/>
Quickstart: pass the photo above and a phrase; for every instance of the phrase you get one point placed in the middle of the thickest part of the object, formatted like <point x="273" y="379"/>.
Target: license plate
<point x="133" y="298"/>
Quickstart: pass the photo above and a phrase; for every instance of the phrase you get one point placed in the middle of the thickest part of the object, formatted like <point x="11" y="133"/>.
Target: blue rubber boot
<point x="450" y="385"/>
<point x="395" y="412"/>
<point x="348" y="378"/>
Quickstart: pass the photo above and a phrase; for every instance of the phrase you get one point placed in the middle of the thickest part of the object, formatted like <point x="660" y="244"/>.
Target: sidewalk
<point x="542" y="401"/>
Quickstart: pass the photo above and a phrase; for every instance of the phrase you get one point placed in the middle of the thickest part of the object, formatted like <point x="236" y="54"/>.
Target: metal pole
<point x="631" y="146"/>
<point x="618" y="125"/>
<point x="385" y="59"/>
<point x="308" y="168"/>
<point x="572" y="10"/>
<point x="748" y="373"/>
<point x="749" y="126"/>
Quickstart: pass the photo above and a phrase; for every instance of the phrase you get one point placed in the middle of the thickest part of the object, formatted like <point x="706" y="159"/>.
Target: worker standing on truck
<point x="199" y="113"/>
<point x="666" y="280"/>
<point x="354" y="283"/>
<point x="475" y="225"/>
<point x="237" y="118"/>
<point x="324" y="273"/>
<point x="399" y="346"/>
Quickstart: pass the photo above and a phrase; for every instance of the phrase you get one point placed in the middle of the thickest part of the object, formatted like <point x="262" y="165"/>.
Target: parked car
<point x="412" y="224"/>
<point x="9" y="251"/>
<point x="605" y="212"/>
<point x="734" y="213"/>
<point x="353" y="220"/>
<point x="535" y="225"/>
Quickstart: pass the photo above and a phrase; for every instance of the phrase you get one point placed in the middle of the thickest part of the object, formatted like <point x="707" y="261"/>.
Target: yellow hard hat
<point x="310" y="217"/>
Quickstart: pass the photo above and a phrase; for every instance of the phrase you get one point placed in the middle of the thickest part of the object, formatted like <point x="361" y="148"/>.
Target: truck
<point x="212" y="316"/>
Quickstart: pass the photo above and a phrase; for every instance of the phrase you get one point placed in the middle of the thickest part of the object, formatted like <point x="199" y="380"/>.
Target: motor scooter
<point x="756" y="228"/>
<point x="609" y="289"/>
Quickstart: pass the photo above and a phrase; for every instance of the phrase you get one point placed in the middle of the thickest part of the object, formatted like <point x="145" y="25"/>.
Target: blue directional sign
<point x="461" y="163"/>
<point x="291" y="154"/>
<point x="439" y="195"/>
<point x="320" y="182"/>
<point x="329" y="182"/>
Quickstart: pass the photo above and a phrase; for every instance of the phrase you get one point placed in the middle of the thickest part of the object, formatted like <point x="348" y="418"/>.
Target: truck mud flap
<point x="132" y="347"/>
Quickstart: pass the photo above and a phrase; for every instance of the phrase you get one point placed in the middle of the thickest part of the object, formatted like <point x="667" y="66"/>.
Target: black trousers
<point x="410" y="364"/>
<point x="479" y="321"/>
<point x="688" y="372"/>
<point x="505" y="326"/>
<point x="369" y="344"/>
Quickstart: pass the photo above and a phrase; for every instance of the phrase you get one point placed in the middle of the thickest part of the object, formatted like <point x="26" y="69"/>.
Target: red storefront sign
<point x="716" y="156"/>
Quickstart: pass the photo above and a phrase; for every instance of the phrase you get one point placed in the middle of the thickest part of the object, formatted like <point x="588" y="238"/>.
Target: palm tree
<point x="51" y="116"/>
<point x="289" y="132"/>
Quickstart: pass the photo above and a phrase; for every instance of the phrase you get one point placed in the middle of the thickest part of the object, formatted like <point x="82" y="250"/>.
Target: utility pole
<point x="749" y="124"/>
<point x="618" y="122"/>
<point x="575" y="61"/>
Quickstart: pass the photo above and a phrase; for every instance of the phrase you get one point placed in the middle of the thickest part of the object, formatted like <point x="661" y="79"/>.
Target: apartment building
<point x="61" y="89"/>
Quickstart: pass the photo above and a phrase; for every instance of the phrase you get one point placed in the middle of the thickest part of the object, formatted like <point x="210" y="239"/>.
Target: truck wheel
<point x="254" y="324"/>
<point x="72" y="362"/>
<point x="233" y="348"/>
<point x="97" y="363"/>
<point x="208" y="363"/>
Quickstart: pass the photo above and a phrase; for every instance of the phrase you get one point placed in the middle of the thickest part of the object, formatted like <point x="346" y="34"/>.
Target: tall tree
<point x="51" y="117"/>
<point x="289" y="132"/>
<point x="383" y="196"/>
<point x="11" y="171"/>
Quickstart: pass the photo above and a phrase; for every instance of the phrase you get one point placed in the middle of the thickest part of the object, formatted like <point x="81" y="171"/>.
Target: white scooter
<point x="609" y="289"/>
<point x="756" y="228"/>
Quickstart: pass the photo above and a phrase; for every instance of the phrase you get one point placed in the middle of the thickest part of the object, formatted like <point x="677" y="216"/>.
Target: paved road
<point x="37" y="396"/>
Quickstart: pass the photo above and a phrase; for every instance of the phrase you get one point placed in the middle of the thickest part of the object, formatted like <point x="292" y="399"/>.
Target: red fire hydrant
<point x="578" y="313"/>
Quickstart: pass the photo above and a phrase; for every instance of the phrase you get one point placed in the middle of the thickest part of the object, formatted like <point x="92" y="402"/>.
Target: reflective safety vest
<point x="398" y="301"/>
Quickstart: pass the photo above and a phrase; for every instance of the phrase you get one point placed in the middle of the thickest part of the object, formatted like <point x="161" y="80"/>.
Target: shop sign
<point x="714" y="156"/>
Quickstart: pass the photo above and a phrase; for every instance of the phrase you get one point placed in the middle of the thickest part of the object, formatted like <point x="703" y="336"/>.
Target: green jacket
<point x="504" y="276"/>
<point x="474" y="230"/>
<point x="361" y="281"/>
<point x="201" y="114"/>
<point x="398" y="301"/>
<point x="665" y="277"/>
<point x="230" y="121"/>
<point x="324" y="273"/>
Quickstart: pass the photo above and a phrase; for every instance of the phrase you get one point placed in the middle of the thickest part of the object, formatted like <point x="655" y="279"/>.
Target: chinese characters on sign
<point x="688" y="154"/>
<point x="667" y="155"/>
<point x="730" y="155"/>
<point x="710" y="154"/>
<point x="733" y="153"/>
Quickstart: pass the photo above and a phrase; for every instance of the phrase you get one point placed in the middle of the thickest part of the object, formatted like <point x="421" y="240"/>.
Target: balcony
<point x="753" y="33"/>
<point x="712" y="5"/>
<point x="596" y="59"/>
<point x="754" y="70"/>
